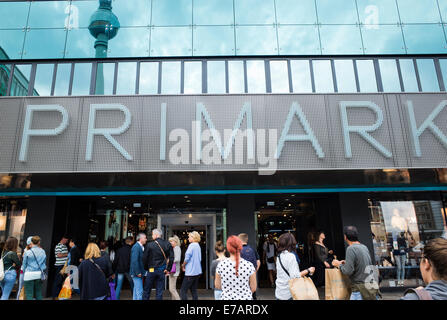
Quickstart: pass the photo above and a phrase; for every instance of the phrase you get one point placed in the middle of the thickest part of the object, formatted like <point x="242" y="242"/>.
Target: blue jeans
<point x="158" y="278"/>
<point x="137" y="288"/>
<point x="119" y="283"/>
<point x="357" y="296"/>
<point x="8" y="283"/>
<point x="400" y="263"/>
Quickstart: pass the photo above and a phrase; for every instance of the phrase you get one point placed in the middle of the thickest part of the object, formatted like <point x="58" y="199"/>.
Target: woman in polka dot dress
<point x="235" y="276"/>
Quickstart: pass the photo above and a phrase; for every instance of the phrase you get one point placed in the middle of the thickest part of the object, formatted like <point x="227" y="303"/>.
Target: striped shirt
<point x="60" y="249"/>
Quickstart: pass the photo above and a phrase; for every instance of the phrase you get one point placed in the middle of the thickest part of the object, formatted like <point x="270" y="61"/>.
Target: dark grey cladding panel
<point x="9" y="120"/>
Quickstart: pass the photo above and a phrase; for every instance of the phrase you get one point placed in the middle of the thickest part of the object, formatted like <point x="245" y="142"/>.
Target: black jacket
<point x="121" y="263"/>
<point x="94" y="283"/>
<point x="153" y="257"/>
<point x="75" y="255"/>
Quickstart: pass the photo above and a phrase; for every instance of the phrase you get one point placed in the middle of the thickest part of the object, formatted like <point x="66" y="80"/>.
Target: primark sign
<point x="262" y="133"/>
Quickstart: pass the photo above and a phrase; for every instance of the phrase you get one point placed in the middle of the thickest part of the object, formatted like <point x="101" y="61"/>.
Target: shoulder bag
<point x="173" y="269"/>
<point x="2" y="267"/>
<point x="108" y="286"/>
<point x="43" y="274"/>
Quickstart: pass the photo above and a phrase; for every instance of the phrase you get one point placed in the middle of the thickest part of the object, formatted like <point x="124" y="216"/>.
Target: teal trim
<point x="217" y="192"/>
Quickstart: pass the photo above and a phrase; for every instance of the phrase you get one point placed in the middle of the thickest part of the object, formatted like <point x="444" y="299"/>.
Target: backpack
<point x="421" y="293"/>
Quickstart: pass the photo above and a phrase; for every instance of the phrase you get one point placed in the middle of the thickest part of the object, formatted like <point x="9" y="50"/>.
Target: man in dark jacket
<point x="249" y="254"/>
<point x="158" y="259"/>
<point x="74" y="256"/>
<point x="121" y="265"/>
<point x="136" y="266"/>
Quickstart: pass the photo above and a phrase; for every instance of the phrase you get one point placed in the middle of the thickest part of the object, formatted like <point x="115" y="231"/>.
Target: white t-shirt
<point x="288" y="259"/>
<point x="269" y="249"/>
<point x="233" y="287"/>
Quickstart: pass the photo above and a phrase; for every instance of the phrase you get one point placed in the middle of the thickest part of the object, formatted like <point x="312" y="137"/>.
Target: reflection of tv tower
<point x="104" y="26"/>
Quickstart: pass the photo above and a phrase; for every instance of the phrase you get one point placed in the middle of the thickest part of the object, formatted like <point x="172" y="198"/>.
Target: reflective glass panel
<point x="20" y="80"/>
<point x="416" y="11"/>
<point x="193" y="77"/>
<point x="259" y="40"/>
<point x="296" y="12"/>
<point x="170" y="77"/>
<point x="5" y="72"/>
<point x="44" y="79"/>
<point x="13" y="14"/>
<point x="383" y="39"/>
<point x="428" y="38"/>
<point x="340" y="39"/>
<point x="105" y="74"/>
<point x="11" y="44"/>
<point x="256" y="76"/>
<point x="279" y="76"/>
<point x="80" y="44"/>
<point x="62" y="79"/>
<point x="44" y="43"/>
<point x="378" y="11"/>
<point x="209" y="12"/>
<point x="298" y="40"/>
<point x="236" y="77"/>
<point x="443" y="7"/>
<point x="49" y="14"/>
<point x="301" y="79"/>
<point x="171" y="41"/>
<point x="216" y="76"/>
<point x="443" y="64"/>
<point x="149" y="78"/>
<point x="81" y="11"/>
<point x="213" y="41"/>
<point x="344" y="71"/>
<point x="127" y="73"/>
<point x="344" y="11"/>
<point x="367" y="76"/>
<point x="132" y="13"/>
<point x="254" y="11"/>
<point x="323" y="76"/>
<point x="130" y="42"/>
<point x="427" y="75"/>
<point x="408" y="75"/>
<point x="390" y="76"/>
<point x="171" y="12"/>
<point x="81" y="79"/>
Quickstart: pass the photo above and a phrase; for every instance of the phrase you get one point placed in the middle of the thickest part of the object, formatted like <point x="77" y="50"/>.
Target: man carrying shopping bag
<point x="359" y="268"/>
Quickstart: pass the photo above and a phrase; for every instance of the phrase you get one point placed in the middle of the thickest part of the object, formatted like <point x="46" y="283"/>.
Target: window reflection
<point x="254" y="11"/>
<point x="130" y="42"/>
<point x="80" y="44"/>
<point x="128" y="16"/>
<point x="216" y="77"/>
<point x="427" y="75"/>
<point x="298" y="40"/>
<point x="236" y="77"/>
<point x="81" y="79"/>
<point x="375" y="12"/>
<point x="443" y="64"/>
<point x="193" y="77"/>
<point x="13" y="14"/>
<point x="43" y="80"/>
<point x="148" y="78"/>
<point x="383" y="39"/>
<point x="62" y="79"/>
<point x="415" y="11"/>
<point x="344" y="12"/>
<point x="279" y="76"/>
<point x="170" y="77"/>
<point x="336" y="39"/>
<point x="256" y="76"/>
<point x="5" y="73"/>
<point x="367" y="76"/>
<point x="301" y="79"/>
<point x="390" y="76"/>
<point x="296" y="12"/>
<point x="11" y="44"/>
<point x="126" y="78"/>
<point x="20" y="83"/>
<point x="344" y="70"/>
<point x="105" y="74"/>
<point x="408" y="75"/>
<point x="213" y="40"/>
<point x="44" y="43"/>
<point x="250" y="42"/>
<point x="209" y="12"/>
<point x="424" y="38"/>
<point x="55" y="14"/>
<point x="171" y="41"/>
<point x="171" y="12"/>
<point x="323" y="76"/>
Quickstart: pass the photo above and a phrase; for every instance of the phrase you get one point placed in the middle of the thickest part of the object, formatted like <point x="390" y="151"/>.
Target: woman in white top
<point x="235" y="276"/>
<point x="287" y="266"/>
<point x="175" y="243"/>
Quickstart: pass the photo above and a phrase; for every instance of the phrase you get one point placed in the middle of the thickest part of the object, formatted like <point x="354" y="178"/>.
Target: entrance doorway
<point x="180" y="225"/>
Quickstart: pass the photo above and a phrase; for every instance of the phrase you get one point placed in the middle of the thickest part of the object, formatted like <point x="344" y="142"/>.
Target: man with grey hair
<point x="137" y="266"/>
<point x="157" y="259"/>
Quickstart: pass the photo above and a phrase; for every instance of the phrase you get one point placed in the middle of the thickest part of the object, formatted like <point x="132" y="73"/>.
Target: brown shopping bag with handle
<point x="303" y="288"/>
<point x="337" y="285"/>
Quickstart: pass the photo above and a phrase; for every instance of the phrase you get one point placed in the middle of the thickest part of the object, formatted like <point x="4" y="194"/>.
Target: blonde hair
<point x="92" y="251"/>
<point x="195" y="236"/>
<point x="176" y="240"/>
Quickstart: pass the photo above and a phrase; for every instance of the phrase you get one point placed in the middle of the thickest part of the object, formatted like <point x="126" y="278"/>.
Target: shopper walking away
<point x="192" y="266"/>
<point x="11" y="263"/>
<point x="34" y="268"/>
<point x="235" y="276"/>
<point x="158" y="258"/>
<point x="121" y="266"/>
<point x="219" y="249"/>
<point x="269" y="258"/>
<point x="357" y="266"/>
<point x="433" y="268"/>
<point x="287" y="266"/>
<point x="94" y="274"/>
<point x="250" y="254"/>
<point x="175" y="243"/>
<point x="61" y="255"/>
<point x="136" y="266"/>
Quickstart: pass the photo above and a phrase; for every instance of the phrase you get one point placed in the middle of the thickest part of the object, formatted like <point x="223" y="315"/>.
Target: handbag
<point x="43" y="274"/>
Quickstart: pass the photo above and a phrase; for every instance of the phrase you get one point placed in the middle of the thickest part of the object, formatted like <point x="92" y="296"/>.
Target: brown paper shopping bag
<point x="303" y="288"/>
<point x="337" y="285"/>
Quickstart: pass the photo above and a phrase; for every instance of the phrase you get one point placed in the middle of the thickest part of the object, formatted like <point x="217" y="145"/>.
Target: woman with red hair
<point x="236" y="277"/>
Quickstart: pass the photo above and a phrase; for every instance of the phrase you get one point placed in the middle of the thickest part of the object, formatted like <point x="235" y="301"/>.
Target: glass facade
<point x="59" y="29"/>
<point x="12" y="219"/>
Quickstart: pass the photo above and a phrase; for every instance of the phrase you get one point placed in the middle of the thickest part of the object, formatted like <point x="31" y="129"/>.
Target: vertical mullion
<point x="334" y="76"/>
<point x="160" y="69"/>
<point x="11" y="76"/>
<point x="115" y="78"/>
<point x="137" y="80"/>
<point x="289" y="74"/>
<point x="32" y="79"/>
<point x="418" y="79"/>
<point x="53" y="82"/>
<point x="182" y="77"/>
<point x="312" y="78"/>
<point x="268" y="76"/>
<point x="227" y="78"/>
<point x="93" y="78"/>
<point x="245" y="77"/>
<point x="399" y="73"/>
<point x="70" y="84"/>
<point x="439" y="74"/>
<point x="378" y="75"/>
<point x="356" y="75"/>
<point x="204" y="76"/>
